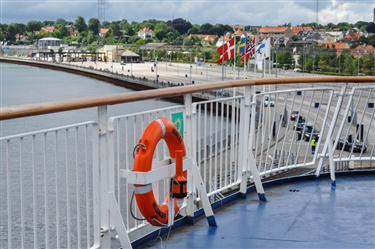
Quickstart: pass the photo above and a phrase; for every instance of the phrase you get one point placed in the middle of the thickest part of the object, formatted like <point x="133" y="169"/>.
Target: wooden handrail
<point x="12" y="112"/>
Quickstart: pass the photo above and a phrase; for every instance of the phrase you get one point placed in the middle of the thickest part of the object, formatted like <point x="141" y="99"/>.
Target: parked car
<point x="300" y="122"/>
<point x="268" y="101"/>
<point x="294" y="115"/>
<point x="308" y="132"/>
<point x="348" y="143"/>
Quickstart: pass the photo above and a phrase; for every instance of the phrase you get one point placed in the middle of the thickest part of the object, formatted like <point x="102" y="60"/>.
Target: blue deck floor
<point x="305" y="214"/>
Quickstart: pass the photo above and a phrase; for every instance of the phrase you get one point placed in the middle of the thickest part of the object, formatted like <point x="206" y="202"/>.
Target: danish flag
<point x="250" y="50"/>
<point x="226" y="51"/>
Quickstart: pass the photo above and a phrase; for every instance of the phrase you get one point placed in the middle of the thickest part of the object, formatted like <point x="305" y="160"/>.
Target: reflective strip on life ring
<point x="155" y="213"/>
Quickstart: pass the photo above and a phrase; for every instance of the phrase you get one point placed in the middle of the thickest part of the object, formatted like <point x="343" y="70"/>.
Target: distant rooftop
<point x="50" y="39"/>
<point x="153" y="45"/>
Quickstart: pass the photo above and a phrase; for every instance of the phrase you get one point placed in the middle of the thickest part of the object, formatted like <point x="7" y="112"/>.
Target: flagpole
<point x="222" y="62"/>
<point x="244" y="59"/>
<point x="234" y="59"/>
<point x="234" y="64"/>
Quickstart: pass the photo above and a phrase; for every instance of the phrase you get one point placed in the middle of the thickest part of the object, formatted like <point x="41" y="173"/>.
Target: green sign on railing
<point x="178" y="120"/>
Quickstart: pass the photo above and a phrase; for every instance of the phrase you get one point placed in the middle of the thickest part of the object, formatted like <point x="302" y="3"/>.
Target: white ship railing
<point x="55" y="184"/>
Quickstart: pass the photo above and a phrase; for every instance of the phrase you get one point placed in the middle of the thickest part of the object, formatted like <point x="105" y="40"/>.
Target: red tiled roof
<point x="209" y="38"/>
<point x="49" y="28"/>
<point x="341" y="45"/>
<point x="275" y="29"/>
<point x="146" y="30"/>
<point x="363" y="49"/>
<point x="297" y="29"/>
<point x="103" y="31"/>
<point x="353" y="36"/>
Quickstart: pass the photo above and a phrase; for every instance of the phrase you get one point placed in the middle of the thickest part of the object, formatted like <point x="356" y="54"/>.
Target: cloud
<point x="247" y="12"/>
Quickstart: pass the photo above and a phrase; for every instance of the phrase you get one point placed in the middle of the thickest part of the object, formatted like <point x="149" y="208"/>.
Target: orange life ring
<point x="155" y="213"/>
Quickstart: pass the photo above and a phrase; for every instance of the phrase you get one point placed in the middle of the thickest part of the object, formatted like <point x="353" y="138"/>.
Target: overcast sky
<point x="247" y="12"/>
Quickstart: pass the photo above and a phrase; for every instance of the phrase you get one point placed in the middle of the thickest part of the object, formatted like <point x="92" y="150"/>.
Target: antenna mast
<point x="101" y="10"/>
<point x="317" y="12"/>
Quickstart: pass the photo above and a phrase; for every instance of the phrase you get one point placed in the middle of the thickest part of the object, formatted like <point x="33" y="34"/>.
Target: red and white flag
<point x="250" y="50"/>
<point x="226" y="51"/>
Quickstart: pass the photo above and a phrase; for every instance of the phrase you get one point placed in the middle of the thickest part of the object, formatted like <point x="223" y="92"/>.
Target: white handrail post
<point x="116" y="220"/>
<point x="251" y="157"/>
<point x="188" y="136"/>
<point x="96" y="187"/>
<point x="331" y="129"/>
<point x="244" y="141"/>
<point x="195" y="181"/>
<point x="331" y="165"/>
<point x="105" y="241"/>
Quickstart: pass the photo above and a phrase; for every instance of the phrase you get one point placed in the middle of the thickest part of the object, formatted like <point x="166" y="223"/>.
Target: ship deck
<point x="301" y="214"/>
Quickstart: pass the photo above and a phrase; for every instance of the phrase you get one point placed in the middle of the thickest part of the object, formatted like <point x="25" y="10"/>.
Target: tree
<point x="207" y="28"/>
<point x="371" y="27"/>
<point x="194" y="30"/>
<point x="48" y="23"/>
<point x="60" y="22"/>
<point x="371" y="40"/>
<point x="11" y="33"/>
<point x="3" y="31"/>
<point x="344" y="26"/>
<point x="361" y="25"/>
<point x="284" y="58"/>
<point x="220" y="29"/>
<point x="181" y="25"/>
<point x="33" y="26"/>
<point x="115" y="29"/>
<point x="20" y="28"/>
<point x="60" y="32"/>
<point x="80" y="24"/>
<point x="94" y="25"/>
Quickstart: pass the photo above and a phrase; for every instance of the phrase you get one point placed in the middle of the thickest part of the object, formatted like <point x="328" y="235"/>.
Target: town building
<point x="275" y="31"/>
<point x="206" y="38"/>
<point x="48" y="29"/>
<point x="340" y="47"/>
<point x="111" y="53"/>
<point x="103" y="32"/>
<point x="130" y="57"/>
<point x="49" y="43"/>
<point x="71" y="30"/>
<point x="146" y="33"/>
<point x="363" y="49"/>
<point x="331" y="36"/>
<point x="238" y="30"/>
<point x="297" y="30"/>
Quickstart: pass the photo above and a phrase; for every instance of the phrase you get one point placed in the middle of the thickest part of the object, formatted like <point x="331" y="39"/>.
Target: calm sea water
<point x="68" y="178"/>
<point x="25" y="85"/>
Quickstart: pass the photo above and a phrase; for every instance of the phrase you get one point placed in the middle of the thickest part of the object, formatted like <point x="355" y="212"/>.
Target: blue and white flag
<point x="264" y="48"/>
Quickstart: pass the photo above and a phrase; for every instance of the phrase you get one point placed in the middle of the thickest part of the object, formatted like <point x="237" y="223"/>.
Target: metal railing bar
<point x="363" y="116"/>
<point x="21" y="194"/>
<point x="38" y="132"/>
<point x="52" y="107"/>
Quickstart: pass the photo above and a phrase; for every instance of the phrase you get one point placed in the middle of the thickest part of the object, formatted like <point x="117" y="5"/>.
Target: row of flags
<point x="246" y="48"/>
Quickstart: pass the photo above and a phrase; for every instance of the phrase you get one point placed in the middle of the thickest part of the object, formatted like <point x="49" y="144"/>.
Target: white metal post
<point x="331" y="164"/>
<point x="105" y="241"/>
<point x="195" y="181"/>
<point x="331" y="128"/>
<point x="244" y="141"/>
<point x="96" y="187"/>
<point x="252" y="160"/>
<point x="188" y="137"/>
<point x="116" y="220"/>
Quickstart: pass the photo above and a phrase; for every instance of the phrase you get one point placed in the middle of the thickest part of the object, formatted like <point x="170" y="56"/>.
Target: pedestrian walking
<point x="313" y="145"/>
